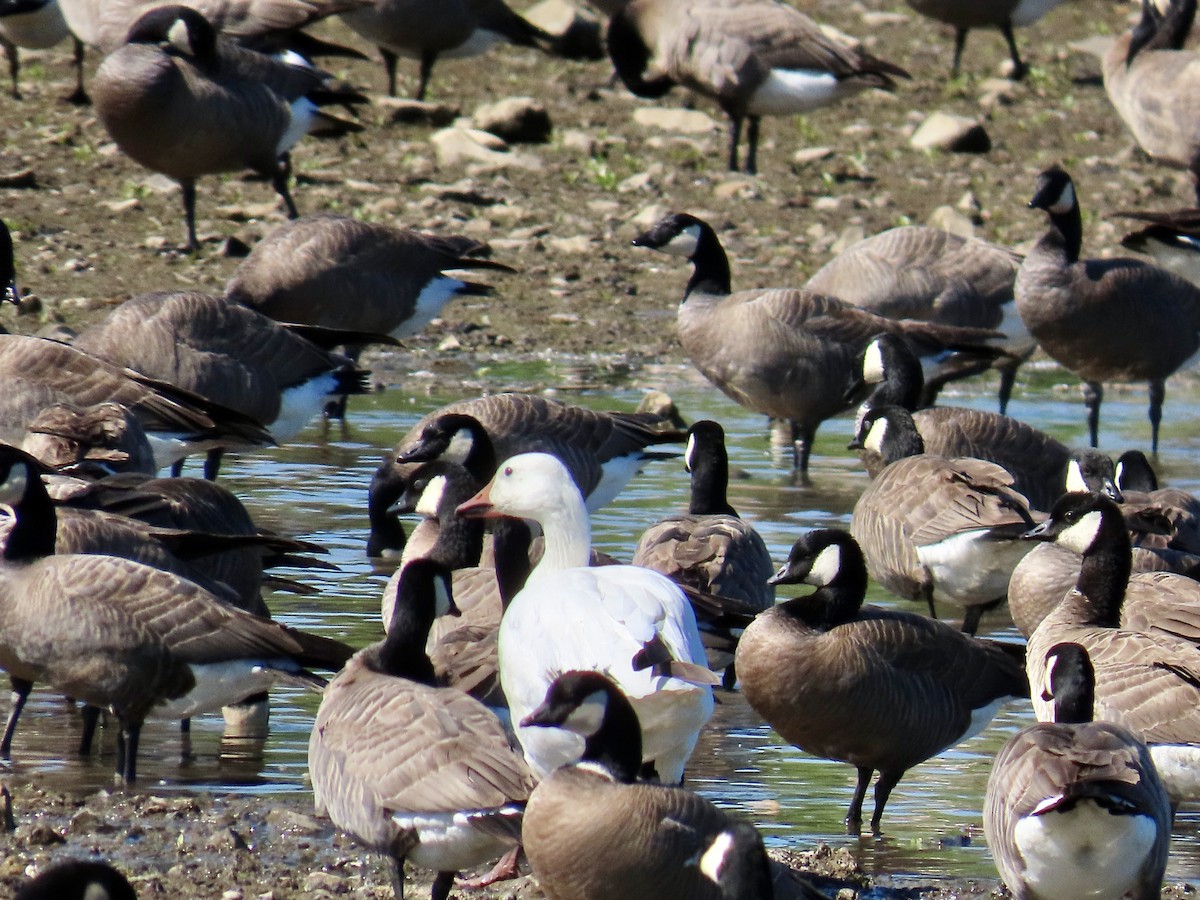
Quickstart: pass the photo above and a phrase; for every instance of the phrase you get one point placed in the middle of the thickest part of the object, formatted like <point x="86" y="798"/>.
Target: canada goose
<point x="592" y="833"/>
<point x="182" y="101"/>
<point x="127" y="637"/>
<point x="427" y="32"/>
<point x="571" y="616"/>
<point x="337" y="272"/>
<point x="1143" y="644"/>
<point x="754" y="58"/>
<point x="33" y="24"/>
<point x="1103" y="319"/>
<point x="106" y="437"/>
<point x="1151" y="79"/>
<point x="1075" y="807"/>
<point x="39" y="373"/>
<point x="1172" y="238"/>
<point x="1140" y="492"/>
<point x="412" y="770"/>
<point x="8" y="267"/>
<point x="933" y="528"/>
<point x="786" y="353"/>
<point x="78" y="880"/>
<point x="1037" y="462"/>
<point x="880" y="689"/>
<point x="228" y="353"/>
<point x="710" y="547"/>
<point x="918" y="272"/>
<point x="963" y="15"/>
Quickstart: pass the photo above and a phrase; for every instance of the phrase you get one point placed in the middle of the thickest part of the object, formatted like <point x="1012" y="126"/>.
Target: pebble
<point x="517" y="120"/>
<point x="958" y="134"/>
<point x="681" y="121"/>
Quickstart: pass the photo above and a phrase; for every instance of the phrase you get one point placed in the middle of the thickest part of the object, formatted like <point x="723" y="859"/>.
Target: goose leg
<point x="91" y="717"/>
<point x="177" y="468"/>
<point x="927" y="592"/>
<point x="212" y="463"/>
<point x="504" y="870"/>
<point x="397" y="867"/>
<point x="127" y="750"/>
<point x="1008" y="378"/>
<point x="752" y="146"/>
<point x="401" y="845"/>
<point x="441" y="886"/>
<point x="854" y="816"/>
<point x="960" y="43"/>
<point x="1020" y="70"/>
<point x="1093" y="396"/>
<point x="79" y="96"/>
<point x="189" y="213"/>
<point x="14" y="65"/>
<point x="279" y="181"/>
<point x="20" y="693"/>
<point x="389" y="66"/>
<point x="802" y="441"/>
<point x="1158" y="392"/>
<point x="883" y="790"/>
<point x="428" y="58"/>
<point x="735" y="137"/>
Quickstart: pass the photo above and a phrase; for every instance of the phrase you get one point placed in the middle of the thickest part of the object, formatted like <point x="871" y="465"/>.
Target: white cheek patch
<point x="1048" y="677"/>
<point x="13" y="487"/>
<point x="873" y="369"/>
<point x="431" y="497"/>
<point x="689" y="452"/>
<point x="714" y="857"/>
<point x="1080" y="536"/>
<point x="876" y="436"/>
<point x="683" y="244"/>
<point x="180" y="37"/>
<point x="460" y="446"/>
<point x="825" y="567"/>
<point x="1075" y="482"/>
<point x="1065" y="201"/>
<point x="586" y="718"/>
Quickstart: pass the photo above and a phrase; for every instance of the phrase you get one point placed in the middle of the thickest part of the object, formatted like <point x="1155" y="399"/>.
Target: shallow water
<point x="316" y="490"/>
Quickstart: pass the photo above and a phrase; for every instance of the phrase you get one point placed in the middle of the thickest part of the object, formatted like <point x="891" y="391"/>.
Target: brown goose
<point x="710" y="548"/>
<point x="337" y="272"/>
<point x="592" y="833"/>
<point x="963" y="15"/>
<point x="127" y="637"/>
<point x="1075" y="807"/>
<point x="30" y="24"/>
<point x="182" y="101"/>
<point x="933" y="528"/>
<point x="755" y="58"/>
<point x="880" y="689"/>
<point x="1151" y="80"/>
<point x="104" y="438"/>
<point x="1143" y="645"/>
<point x="786" y="353"/>
<point x="1103" y="319"/>
<point x="411" y="770"/>
<point x="430" y="31"/>
<point x="1140" y="492"/>
<point x="1038" y="463"/>
<point x="918" y="272"/>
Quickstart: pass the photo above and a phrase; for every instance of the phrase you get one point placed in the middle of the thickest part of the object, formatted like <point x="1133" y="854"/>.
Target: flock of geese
<point x="531" y="694"/>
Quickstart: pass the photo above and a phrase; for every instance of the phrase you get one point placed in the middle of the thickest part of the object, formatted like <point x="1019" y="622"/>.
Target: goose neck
<point x="830" y="605"/>
<point x="617" y="744"/>
<point x="35" y="524"/>
<point x="402" y="653"/>
<point x="1065" y="235"/>
<point x="568" y="537"/>
<point x="710" y="483"/>
<point x="1104" y="576"/>
<point x="710" y="272"/>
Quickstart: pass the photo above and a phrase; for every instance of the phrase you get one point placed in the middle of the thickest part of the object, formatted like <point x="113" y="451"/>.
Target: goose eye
<point x="507" y="470"/>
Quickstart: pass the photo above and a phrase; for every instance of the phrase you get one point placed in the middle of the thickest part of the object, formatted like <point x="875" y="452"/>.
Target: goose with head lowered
<point x="410" y="769"/>
<point x="1117" y="320"/>
<point x="126" y="637"/>
<point x="1075" y="806"/>
<point x="1171" y="237"/>
<point x="784" y="352"/>
<point x="933" y="528"/>
<point x="1037" y="462"/>
<point x="880" y="689"/>
<point x="1144" y="644"/>
<point x="632" y="623"/>
<point x="593" y="832"/>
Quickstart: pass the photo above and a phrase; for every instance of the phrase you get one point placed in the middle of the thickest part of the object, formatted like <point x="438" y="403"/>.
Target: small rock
<point x="160" y="184"/>
<point x="293" y="822"/>
<point x="518" y="120"/>
<point x="578" y="244"/>
<point x="680" y="121"/>
<point x="325" y="881"/>
<point x="811" y="154"/>
<point x="995" y="92"/>
<point x="949" y="219"/>
<point x="25" y="178"/>
<point x="457" y="145"/>
<point x="42" y="835"/>
<point x="577" y="32"/>
<point x="400" y="111"/>
<point x="579" y="140"/>
<point x="639" y="182"/>
<point x="449" y="344"/>
<point x="958" y="134"/>
<point x="120" y="206"/>
<point x="649" y="216"/>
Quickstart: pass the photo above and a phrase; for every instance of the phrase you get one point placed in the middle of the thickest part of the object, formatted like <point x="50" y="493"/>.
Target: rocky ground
<point x="92" y="229"/>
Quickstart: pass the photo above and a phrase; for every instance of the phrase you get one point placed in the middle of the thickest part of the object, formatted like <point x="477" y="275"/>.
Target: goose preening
<point x="409" y="769"/>
<point x="784" y="352"/>
<point x="126" y="637"/>
<point x="428" y="32"/>
<point x="1038" y="463"/>
<point x="77" y="880"/>
<point x="933" y="528"/>
<point x="181" y="100"/>
<point x="31" y="24"/>
<point x="1172" y="238"/>
<point x="880" y="689"/>
<point x="1151" y="78"/>
<point x="609" y="618"/>
<point x="39" y="373"/>
<point x="1103" y="319"/>
<point x="337" y="272"/>
<point x="710" y="548"/>
<point x="963" y="15"/>
<point x="1075" y="807"/>
<point x="1143" y="644"/>
<point x="755" y="58"/>
<point x="591" y="832"/>
<point x="1140" y="493"/>
<point x="103" y="438"/>
<point x="918" y="272"/>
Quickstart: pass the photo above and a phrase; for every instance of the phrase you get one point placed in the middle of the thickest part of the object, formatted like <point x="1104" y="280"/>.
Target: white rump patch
<point x="788" y="91"/>
<point x="434" y="295"/>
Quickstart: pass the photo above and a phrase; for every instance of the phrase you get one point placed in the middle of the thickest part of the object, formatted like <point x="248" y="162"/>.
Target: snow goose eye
<point x="508" y="471"/>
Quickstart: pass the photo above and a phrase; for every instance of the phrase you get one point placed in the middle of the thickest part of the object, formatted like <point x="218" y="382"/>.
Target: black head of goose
<point x="1037" y="461"/>
<point x="1142" y="642"/>
<point x="784" y="352"/>
<point x="754" y="58"/>
<point x="1081" y="311"/>
<point x="934" y="528"/>
<point x="181" y="100"/>
<point x="1065" y="793"/>
<point x="591" y="830"/>
<point x="411" y="770"/>
<point x="127" y="637"/>
<point x="78" y="880"/>
<point x="814" y="667"/>
<point x="8" y="267"/>
<point x="1137" y="481"/>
